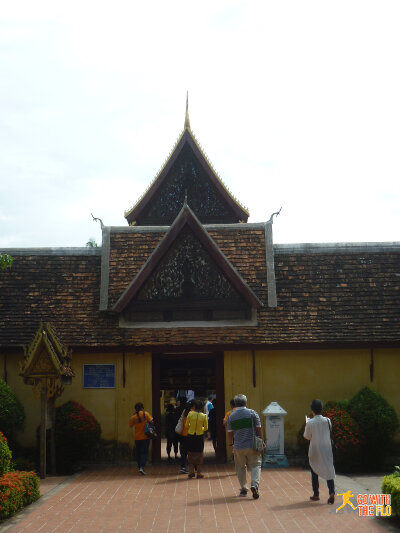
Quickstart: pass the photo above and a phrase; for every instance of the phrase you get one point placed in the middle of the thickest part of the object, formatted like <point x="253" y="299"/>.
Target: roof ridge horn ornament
<point x="98" y="220"/>
<point x="187" y="120"/>
<point x="271" y="218"/>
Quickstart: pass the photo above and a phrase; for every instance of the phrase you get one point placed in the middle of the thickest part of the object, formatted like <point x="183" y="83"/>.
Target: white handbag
<point x="179" y="425"/>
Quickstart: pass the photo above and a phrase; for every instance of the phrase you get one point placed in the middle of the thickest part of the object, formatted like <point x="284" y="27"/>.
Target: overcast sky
<point x="296" y="104"/>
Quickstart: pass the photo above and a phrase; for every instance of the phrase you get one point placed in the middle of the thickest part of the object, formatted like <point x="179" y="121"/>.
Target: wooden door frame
<point x="220" y="391"/>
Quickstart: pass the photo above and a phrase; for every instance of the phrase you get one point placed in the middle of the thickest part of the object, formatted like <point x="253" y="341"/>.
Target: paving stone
<point x="115" y="499"/>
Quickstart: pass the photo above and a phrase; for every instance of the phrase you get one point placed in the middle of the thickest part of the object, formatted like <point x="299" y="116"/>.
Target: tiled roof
<point x="187" y="219"/>
<point x="326" y="294"/>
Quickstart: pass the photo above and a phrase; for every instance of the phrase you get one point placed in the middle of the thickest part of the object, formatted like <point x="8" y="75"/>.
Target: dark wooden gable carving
<point x="187" y="277"/>
<point x="187" y="173"/>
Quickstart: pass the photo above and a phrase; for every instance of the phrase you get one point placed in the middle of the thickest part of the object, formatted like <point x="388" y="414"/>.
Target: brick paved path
<point x="116" y="499"/>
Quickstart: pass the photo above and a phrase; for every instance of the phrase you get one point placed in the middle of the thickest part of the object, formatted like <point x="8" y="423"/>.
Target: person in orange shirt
<point x="142" y="442"/>
<point x="233" y="407"/>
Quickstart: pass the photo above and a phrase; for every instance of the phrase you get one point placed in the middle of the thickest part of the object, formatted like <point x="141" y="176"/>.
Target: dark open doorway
<point x="201" y="372"/>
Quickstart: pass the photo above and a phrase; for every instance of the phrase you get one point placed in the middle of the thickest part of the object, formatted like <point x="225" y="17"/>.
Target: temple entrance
<point x="202" y="373"/>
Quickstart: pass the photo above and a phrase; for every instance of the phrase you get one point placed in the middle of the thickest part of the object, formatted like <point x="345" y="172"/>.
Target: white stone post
<point x="275" y="436"/>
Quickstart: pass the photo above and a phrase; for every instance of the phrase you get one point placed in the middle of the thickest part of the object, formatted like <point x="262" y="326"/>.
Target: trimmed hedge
<point x="347" y="437"/>
<point x="5" y="455"/>
<point x="391" y="485"/>
<point x="17" y="489"/>
<point x="77" y="433"/>
<point x="378" y="422"/>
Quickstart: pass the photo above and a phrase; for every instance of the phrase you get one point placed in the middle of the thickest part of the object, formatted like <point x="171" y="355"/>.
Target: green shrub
<point x="5" y="455"/>
<point x="77" y="433"/>
<point x="17" y="489"/>
<point x="346" y="435"/>
<point x="391" y="485"/>
<point x="341" y="404"/>
<point x="12" y="414"/>
<point x="378" y="422"/>
<point x="24" y="463"/>
<point x="31" y="484"/>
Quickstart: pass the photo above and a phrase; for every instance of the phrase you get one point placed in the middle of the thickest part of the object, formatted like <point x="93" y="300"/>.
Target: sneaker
<point x="255" y="492"/>
<point x="243" y="492"/>
<point x="141" y="471"/>
<point x="183" y="470"/>
<point x="191" y="476"/>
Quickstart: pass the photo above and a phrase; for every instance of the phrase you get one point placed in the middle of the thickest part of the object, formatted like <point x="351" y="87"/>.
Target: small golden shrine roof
<point x="46" y="356"/>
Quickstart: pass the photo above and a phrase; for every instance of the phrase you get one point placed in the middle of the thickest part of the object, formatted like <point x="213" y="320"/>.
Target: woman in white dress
<point x="318" y="432"/>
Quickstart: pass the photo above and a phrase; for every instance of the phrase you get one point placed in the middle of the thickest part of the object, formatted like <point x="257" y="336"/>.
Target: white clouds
<point x="296" y="104"/>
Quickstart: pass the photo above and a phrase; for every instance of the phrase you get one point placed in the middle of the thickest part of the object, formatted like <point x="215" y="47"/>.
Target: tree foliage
<point x="5" y="261"/>
<point x="91" y="243"/>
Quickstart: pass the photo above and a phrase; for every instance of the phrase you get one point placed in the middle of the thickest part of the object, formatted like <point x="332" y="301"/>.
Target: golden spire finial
<point x="187" y="121"/>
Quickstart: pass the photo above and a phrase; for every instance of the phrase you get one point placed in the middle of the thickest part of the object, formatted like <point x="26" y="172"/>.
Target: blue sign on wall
<point x="99" y="376"/>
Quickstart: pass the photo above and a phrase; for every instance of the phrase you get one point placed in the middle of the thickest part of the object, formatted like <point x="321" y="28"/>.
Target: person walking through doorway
<point x="183" y="437"/>
<point x="208" y="408"/>
<point x="142" y="442"/>
<point x="320" y="455"/>
<point x="228" y="413"/>
<point x="196" y="423"/>
<point x="171" y="420"/>
<point x="212" y="424"/>
<point x="240" y="437"/>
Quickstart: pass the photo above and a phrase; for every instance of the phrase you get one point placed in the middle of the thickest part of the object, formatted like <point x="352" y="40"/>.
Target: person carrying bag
<point x="142" y="421"/>
<point x="196" y="424"/>
<point x="245" y="437"/>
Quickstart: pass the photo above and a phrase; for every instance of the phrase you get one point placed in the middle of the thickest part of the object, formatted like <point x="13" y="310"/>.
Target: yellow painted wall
<point x="111" y="407"/>
<point x="293" y="378"/>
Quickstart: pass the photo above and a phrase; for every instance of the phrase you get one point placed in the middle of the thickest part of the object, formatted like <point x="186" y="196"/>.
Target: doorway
<point x="202" y="373"/>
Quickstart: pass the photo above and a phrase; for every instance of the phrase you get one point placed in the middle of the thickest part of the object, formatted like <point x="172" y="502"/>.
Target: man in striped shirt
<point x="240" y="436"/>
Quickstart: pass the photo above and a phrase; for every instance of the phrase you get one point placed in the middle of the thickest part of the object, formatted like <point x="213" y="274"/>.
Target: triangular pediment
<point x="187" y="273"/>
<point x="45" y="356"/>
<point x="186" y="173"/>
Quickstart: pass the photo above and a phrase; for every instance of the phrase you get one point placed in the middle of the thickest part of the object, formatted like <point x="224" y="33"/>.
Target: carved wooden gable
<point x="187" y="174"/>
<point x="187" y="278"/>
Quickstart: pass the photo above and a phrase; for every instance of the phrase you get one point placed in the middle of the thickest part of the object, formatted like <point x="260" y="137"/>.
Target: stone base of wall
<point x="111" y="452"/>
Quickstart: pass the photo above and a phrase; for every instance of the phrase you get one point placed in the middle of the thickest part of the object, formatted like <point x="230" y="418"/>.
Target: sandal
<point x="331" y="498"/>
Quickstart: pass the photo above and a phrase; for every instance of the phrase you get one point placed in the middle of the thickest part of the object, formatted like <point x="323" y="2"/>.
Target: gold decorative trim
<point x="129" y="211"/>
<point x="58" y="355"/>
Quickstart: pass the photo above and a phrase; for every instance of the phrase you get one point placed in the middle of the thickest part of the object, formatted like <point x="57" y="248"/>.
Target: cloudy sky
<point x="296" y="104"/>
